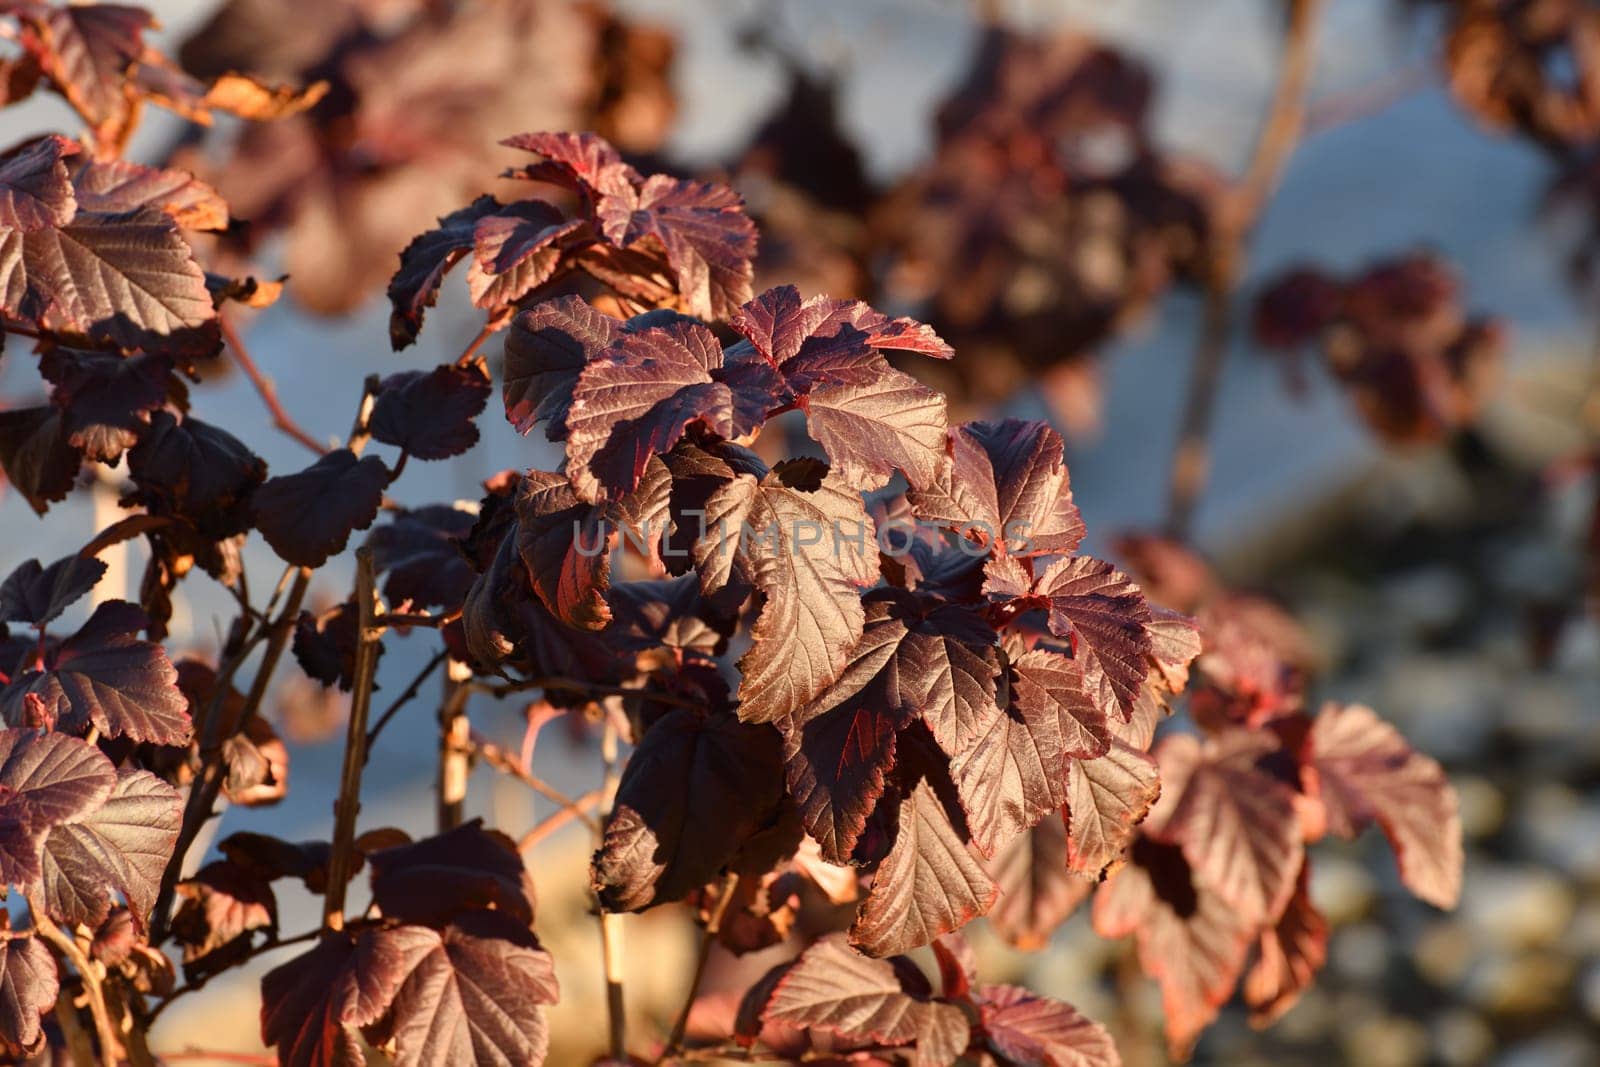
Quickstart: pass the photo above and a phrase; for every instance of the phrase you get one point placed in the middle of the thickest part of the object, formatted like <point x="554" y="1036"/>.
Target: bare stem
<point x="67" y="946"/>
<point x="1280" y="133"/>
<point x="455" y="752"/>
<point x="208" y="783"/>
<point x="404" y="698"/>
<point x="610" y="921"/>
<point x="708" y="937"/>
<point x="341" y="862"/>
<point x="268" y="392"/>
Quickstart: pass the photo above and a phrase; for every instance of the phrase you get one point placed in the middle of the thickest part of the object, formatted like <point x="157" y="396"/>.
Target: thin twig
<point x="557" y="819"/>
<point x="502" y="761"/>
<point x="200" y="983"/>
<point x="561" y="683"/>
<point x="256" y="1059"/>
<point x="1280" y="133"/>
<point x="268" y="392"/>
<point x="708" y="937"/>
<point x="208" y="783"/>
<point x="404" y="698"/>
<point x="476" y="343"/>
<point x="341" y="862"/>
<point x="436" y="622"/>
<point x="67" y="945"/>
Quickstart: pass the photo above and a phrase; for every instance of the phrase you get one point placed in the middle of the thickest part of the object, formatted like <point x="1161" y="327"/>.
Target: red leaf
<point x="1237" y="825"/>
<point x="1017" y="771"/>
<point x="220" y="908"/>
<point x="47" y="779"/>
<point x="37" y="457"/>
<point x="1033" y="1031"/>
<point x="104" y="676"/>
<point x="1037" y="893"/>
<point x="700" y="226"/>
<point x="28" y="988"/>
<point x="35" y="594"/>
<point x="1367" y="772"/>
<point x="1104" y="613"/>
<point x="516" y="250"/>
<point x="808" y="545"/>
<point x="197" y="471"/>
<point x="464" y="869"/>
<point x="1106" y="798"/>
<point x="1288" y="957"/>
<point x="837" y="990"/>
<point x="473" y="993"/>
<point x="107" y="399"/>
<point x="424" y="263"/>
<point x="1004" y="483"/>
<point x="35" y="192"/>
<point x="1189" y="939"/>
<point x="123" y="846"/>
<point x="418" y="551"/>
<point x="117" y="186"/>
<point x="547" y="348"/>
<point x="929" y="884"/>
<point x="636" y="399"/>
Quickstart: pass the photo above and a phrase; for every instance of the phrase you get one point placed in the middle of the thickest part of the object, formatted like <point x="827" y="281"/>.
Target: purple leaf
<point x="430" y="413"/>
<point x="308" y="516"/>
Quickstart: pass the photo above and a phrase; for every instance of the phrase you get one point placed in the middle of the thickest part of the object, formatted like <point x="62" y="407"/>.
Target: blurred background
<point x="1400" y="438"/>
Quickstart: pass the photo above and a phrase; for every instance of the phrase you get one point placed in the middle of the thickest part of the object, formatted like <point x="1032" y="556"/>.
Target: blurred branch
<point x="1280" y="133"/>
<point x="708" y="938"/>
<point x="268" y="392"/>
<point x="611" y="922"/>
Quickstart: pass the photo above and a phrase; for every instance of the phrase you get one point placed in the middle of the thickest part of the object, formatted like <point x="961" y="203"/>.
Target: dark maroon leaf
<point x="37" y="457"/>
<point x="1034" y="1031"/>
<point x="425" y="262"/>
<point x="582" y="162"/>
<point x="417" y="551"/>
<point x="106" y="677"/>
<point x="35" y="594"/>
<point x="198" y="471"/>
<point x="1005" y="482"/>
<point x="636" y="399"/>
<point x="47" y="779"/>
<point x="1108" y="619"/>
<point x="929" y="884"/>
<point x="834" y="989"/>
<point x="839" y="749"/>
<point x="870" y="418"/>
<point x="1367" y="772"/>
<point x="268" y="858"/>
<point x="546" y="350"/>
<point x="28" y="988"/>
<point x="325" y="645"/>
<point x="1016" y="771"/>
<point x="700" y="226"/>
<point x="35" y="192"/>
<point x="430" y="414"/>
<point x="1037" y="892"/>
<point x="311" y="1005"/>
<point x="116" y="938"/>
<point x="121" y="846"/>
<point x="472" y="993"/>
<point x="809" y="547"/>
<point x="117" y="187"/>
<point x="218" y="911"/>
<point x="308" y="516"/>
<point x="696" y="789"/>
<point x="515" y="250"/>
<point x="130" y="279"/>
<point x="460" y="870"/>
<point x="107" y="399"/>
